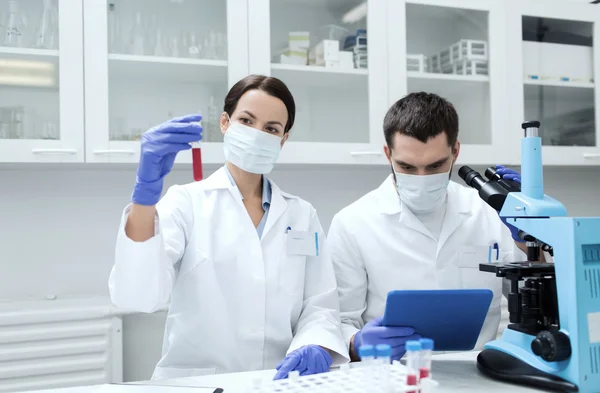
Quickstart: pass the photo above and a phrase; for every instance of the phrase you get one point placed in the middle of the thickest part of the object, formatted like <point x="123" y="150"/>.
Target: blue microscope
<point x="553" y="340"/>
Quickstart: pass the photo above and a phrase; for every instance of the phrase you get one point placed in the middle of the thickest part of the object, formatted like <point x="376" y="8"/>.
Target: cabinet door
<point x="151" y="60"/>
<point x="331" y="55"/>
<point x="553" y="69"/>
<point x="41" y="81"/>
<point x="456" y="49"/>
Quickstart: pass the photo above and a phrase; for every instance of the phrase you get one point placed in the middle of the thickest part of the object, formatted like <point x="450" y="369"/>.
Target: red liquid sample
<point x="411" y="379"/>
<point x="197" y="163"/>
<point x="423" y="372"/>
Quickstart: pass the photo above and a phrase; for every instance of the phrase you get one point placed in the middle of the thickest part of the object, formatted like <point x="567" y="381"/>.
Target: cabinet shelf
<point x="319" y="76"/>
<point x="555" y="83"/>
<point x="167" y="68"/>
<point x="8" y="52"/>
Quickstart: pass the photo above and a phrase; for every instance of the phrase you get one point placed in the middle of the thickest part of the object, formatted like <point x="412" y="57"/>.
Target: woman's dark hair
<point x="270" y="85"/>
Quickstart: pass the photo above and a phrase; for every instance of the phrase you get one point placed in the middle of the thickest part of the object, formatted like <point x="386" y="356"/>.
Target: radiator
<point x="53" y="347"/>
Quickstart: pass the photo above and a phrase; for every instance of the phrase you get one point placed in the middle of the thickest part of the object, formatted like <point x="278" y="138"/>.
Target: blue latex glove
<point x="160" y="145"/>
<point x="309" y="359"/>
<point x="395" y="336"/>
<point x="509" y="174"/>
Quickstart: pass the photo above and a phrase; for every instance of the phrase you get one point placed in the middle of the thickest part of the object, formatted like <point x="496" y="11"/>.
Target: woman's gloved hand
<point x="374" y="333"/>
<point x="309" y="359"/>
<point x="510" y="174"/>
<point x="160" y="145"/>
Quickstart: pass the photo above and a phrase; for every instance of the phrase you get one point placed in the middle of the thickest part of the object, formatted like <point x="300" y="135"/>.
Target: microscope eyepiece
<point x="471" y="177"/>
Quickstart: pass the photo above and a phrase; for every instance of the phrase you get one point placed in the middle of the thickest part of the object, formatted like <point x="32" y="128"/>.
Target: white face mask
<point x="250" y="149"/>
<point x="422" y="193"/>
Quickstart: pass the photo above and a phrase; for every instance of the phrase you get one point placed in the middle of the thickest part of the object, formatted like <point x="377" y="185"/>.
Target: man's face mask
<point x="422" y="193"/>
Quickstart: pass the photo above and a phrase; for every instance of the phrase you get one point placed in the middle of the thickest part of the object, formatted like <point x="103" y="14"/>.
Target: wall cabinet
<point x="82" y="79"/>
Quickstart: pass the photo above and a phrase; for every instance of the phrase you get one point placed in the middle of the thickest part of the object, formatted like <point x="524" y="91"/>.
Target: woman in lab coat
<point x="243" y="266"/>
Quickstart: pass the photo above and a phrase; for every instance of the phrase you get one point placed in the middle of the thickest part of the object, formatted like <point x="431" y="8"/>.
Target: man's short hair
<point x="422" y="116"/>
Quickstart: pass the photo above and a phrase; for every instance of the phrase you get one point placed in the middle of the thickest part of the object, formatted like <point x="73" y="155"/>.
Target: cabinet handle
<point x="365" y="153"/>
<point x="114" y="152"/>
<point x="54" y="151"/>
<point x="591" y="155"/>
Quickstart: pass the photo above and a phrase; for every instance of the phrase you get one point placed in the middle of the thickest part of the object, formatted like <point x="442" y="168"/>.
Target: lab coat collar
<point x="220" y="180"/>
<point x="390" y="204"/>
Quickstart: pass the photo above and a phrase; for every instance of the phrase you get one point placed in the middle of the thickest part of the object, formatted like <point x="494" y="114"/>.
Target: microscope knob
<point x="551" y="346"/>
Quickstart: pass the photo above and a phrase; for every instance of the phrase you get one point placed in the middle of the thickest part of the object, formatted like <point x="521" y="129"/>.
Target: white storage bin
<point x="469" y="50"/>
<point x="434" y="63"/>
<point x="470" y="67"/>
<point x="557" y="62"/>
<point x="417" y="63"/>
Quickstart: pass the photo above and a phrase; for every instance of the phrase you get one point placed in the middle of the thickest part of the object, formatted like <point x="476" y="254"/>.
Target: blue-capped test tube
<point x="384" y="353"/>
<point x="426" y="352"/>
<point x="367" y="354"/>
<point x="413" y="349"/>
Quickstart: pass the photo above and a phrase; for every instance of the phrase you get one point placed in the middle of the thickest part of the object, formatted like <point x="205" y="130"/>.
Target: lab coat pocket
<point x="471" y="277"/>
<point x="472" y="256"/>
<point x="174" y="372"/>
<point x="291" y="272"/>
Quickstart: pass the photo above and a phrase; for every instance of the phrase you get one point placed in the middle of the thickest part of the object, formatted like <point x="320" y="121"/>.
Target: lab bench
<point x="455" y="372"/>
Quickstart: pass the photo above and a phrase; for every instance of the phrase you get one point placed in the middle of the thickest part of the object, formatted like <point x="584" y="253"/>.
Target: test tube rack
<point x="384" y="378"/>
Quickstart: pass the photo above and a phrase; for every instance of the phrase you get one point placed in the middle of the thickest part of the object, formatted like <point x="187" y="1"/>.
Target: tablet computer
<point x="452" y="318"/>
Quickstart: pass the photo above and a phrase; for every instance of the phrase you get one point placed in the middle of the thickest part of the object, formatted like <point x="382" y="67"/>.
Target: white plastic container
<point x="325" y="52"/>
<point x="470" y="67"/>
<point x="468" y="50"/>
<point x="417" y="63"/>
<point x="546" y="61"/>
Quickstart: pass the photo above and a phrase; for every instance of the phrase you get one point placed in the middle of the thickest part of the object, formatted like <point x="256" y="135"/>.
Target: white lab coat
<point x="378" y="245"/>
<point x="237" y="302"/>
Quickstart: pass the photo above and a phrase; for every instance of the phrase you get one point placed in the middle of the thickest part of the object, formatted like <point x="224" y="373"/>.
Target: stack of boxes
<point x="297" y="52"/>
<point x="466" y="57"/>
<point x="357" y="45"/>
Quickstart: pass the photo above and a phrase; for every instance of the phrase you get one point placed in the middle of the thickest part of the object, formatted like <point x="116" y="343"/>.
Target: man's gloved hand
<point x="309" y="359"/>
<point x="509" y="174"/>
<point x="160" y="145"/>
<point x="374" y="333"/>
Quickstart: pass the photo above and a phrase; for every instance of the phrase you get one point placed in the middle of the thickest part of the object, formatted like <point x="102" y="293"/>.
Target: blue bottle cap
<point x="383" y="350"/>
<point x="366" y="350"/>
<point x="426" y="344"/>
<point x="413" y="345"/>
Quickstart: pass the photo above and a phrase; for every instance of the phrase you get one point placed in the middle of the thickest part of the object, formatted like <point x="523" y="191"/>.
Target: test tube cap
<point x="383" y="350"/>
<point x="426" y="344"/>
<point x="413" y="345"/>
<point x="366" y="351"/>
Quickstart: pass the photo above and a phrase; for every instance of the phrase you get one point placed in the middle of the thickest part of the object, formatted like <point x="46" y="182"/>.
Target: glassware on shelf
<point x="4" y="123"/>
<point x="174" y="45"/>
<point x="14" y="27"/>
<point x="210" y="124"/>
<point x="193" y="46"/>
<point x="138" y="40"/>
<point x="160" y="48"/>
<point x="50" y="130"/>
<point x="46" y="36"/>
<point x="11" y="126"/>
<point x="114" y="29"/>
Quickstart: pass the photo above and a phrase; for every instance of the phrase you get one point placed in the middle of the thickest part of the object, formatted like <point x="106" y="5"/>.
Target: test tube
<point x="426" y="352"/>
<point x="384" y="353"/>
<point x="197" y="161"/>
<point x="367" y="354"/>
<point x="413" y="348"/>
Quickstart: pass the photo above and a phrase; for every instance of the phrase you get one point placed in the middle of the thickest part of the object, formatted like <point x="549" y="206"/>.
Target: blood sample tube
<point x="413" y="348"/>
<point x="384" y="353"/>
<point x="197" y="161"/>
<point x="425" y="363"/>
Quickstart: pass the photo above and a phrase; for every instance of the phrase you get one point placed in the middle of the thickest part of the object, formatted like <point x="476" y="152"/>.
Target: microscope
<point x="553" y="339"/>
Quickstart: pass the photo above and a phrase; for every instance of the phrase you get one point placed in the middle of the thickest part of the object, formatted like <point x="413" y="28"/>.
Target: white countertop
<point x="455" y="372"/>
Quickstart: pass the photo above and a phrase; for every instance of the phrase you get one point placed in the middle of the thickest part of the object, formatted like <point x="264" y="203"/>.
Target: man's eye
<point x="406" y="168"/>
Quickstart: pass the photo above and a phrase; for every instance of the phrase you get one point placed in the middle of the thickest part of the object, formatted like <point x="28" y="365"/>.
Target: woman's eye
<point x="245" y="121"/>
<point x="273" y="130"/>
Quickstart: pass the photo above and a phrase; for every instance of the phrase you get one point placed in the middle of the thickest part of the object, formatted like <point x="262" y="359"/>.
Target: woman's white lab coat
<point x="237" y="302"/>
<point x="377" y="245"/>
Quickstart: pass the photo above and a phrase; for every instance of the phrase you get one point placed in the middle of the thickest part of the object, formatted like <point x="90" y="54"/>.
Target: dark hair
<point x="421" y="116"/>
<point x="270" y="85"/>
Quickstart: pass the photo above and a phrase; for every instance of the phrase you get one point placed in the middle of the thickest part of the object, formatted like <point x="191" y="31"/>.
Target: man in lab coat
<point x="418" y="230"/>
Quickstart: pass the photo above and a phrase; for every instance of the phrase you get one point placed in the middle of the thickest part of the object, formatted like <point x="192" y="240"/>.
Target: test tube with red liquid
<point x="413" y="349"/>
<point x="197" y="161"/>
<point x="425" y="363"/>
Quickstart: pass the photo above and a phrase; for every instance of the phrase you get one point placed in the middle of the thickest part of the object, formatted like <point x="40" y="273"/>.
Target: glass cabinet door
<point x="558" y="64"/>
<point x="449" y="52"/>
<point x="41" y="81"/>
<point x="333" y="61"/>
<point x="162" y="59"/>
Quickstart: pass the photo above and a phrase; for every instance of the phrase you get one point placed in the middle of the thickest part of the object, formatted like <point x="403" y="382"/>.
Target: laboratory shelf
<point x="555" y="83"/>
<point x="306" y="75"/>
<point x="435" y="78"/>
<point x="459" y="89"/>
<point x="167" y="68"/>
<point x="8" y="52"/>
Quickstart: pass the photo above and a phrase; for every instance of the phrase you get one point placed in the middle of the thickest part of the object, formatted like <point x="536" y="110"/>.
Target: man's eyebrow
<point x="402" y="163"/>
<point x="439" y="162"/>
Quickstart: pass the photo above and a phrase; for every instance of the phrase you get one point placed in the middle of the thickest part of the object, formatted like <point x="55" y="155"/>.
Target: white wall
<point x="58" y="224"/>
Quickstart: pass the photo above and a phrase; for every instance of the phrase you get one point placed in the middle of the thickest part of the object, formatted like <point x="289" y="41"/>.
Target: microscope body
<point x="553" y="341"/>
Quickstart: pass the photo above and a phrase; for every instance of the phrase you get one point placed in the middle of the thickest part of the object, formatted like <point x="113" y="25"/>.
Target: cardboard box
<point x="325" y="52"/>
<point x="299" y="40"/>
<point x="297" y="57"/>
<point x="346" y="59"/>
